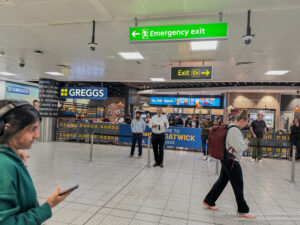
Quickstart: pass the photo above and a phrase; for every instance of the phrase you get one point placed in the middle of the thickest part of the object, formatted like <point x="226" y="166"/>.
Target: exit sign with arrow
<point x="188" y="32"/>
<point x="191" y="73"/>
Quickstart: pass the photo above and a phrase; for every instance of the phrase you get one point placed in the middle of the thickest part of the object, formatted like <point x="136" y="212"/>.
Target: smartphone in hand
<point x="68" y="190"/>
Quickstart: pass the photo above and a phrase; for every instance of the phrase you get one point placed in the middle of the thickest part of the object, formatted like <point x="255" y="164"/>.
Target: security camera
<point x="248" y="38"/>
<point x="22" y="63"/>
<point x="93" y="46"/>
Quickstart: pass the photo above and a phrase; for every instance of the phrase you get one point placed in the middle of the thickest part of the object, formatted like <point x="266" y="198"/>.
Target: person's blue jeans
<point x="204" y="140"/>
<point x="137" y="137"/>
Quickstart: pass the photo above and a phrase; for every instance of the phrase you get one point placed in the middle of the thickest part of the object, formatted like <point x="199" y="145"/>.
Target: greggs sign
<point x="99" y="93"/>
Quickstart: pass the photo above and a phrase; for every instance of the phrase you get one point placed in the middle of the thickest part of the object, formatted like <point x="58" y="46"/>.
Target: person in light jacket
<point x="231" y="169"/>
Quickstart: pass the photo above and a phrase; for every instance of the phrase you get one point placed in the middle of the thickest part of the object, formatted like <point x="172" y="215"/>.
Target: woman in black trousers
<point x="295" y="136"/>
<point x="231" y="169"/>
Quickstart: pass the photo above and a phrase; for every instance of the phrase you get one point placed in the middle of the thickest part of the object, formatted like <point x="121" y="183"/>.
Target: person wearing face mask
<point x="231" y="169"/>
<point x="206" y="125"/>
<point x="138" y="126"/>
<point x="159" y="124"/>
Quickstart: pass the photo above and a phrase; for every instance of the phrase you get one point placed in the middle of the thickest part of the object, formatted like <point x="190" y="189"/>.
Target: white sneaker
<point x="252" y="160"/>
<point x="204" y="158"/>
<point x="260" y="161"/>
<point x="208" y="159"/>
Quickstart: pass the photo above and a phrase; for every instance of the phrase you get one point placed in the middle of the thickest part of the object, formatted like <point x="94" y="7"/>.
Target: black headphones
<point x="9" y="105"/>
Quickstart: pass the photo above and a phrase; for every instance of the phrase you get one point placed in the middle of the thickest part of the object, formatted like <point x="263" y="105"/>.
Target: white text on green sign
<point x="178" y="32"/>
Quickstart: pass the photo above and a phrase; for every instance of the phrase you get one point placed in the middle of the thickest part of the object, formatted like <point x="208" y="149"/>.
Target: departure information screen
<point x="186" y="101"/>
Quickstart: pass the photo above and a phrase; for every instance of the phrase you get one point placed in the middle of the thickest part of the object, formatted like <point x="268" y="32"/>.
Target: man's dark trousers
<point x="139" y="138"/>
<point x="158" y="142"/>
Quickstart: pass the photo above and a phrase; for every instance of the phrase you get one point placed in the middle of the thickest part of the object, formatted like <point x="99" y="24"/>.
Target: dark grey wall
<point x="289" y="102"/>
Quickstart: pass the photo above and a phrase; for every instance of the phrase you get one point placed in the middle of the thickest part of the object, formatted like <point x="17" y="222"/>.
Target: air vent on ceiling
<point x="6" y="3"/>
<point x="64" y="66"/>
<point x="243" y="63"/>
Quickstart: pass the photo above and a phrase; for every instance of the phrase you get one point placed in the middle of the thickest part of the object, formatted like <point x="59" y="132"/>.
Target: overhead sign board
<point x="204" y="101"/>
<point x="191" y="73"/>
<point x="178" y="32"/>
<point x="99" y="93"/>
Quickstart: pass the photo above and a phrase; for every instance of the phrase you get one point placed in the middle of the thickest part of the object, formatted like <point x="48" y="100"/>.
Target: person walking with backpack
<point x="231" y="169"/>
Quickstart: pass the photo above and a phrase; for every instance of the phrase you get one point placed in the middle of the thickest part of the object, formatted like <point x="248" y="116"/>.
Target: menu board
<point x="186" y="101"/>
<point x="48" y="94"/>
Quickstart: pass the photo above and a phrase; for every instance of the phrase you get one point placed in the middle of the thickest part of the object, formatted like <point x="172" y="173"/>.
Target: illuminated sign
<point x="18" y="90"/>
<point x="191" y="73"/>
<point x="84" y="93"/>
<point x="205" y="101"/>
<point x="178" y="32"/>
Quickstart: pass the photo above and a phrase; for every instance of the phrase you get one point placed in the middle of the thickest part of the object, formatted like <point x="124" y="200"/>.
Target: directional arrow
<point x="206" y="73"/>
<point x="134" y="33"/>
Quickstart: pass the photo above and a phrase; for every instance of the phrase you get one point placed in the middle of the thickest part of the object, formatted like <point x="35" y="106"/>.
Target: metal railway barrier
<point x="293" y="164"/>
<point x="92" y="146"/>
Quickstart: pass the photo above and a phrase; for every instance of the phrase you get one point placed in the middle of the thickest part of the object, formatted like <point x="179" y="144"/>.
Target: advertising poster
<point x="14" y="91"/>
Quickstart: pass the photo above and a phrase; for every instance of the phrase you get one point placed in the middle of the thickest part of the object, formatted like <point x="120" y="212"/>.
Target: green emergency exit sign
<point x="178" y="32"/>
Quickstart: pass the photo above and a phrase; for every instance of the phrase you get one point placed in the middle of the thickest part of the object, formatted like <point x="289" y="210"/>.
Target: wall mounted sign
<point x="99" y="93"/>
<point x="48" y="97"/>
<point x="178" y="32"/>
<point x="205" y="101"/>
<point x="191" y="73"/>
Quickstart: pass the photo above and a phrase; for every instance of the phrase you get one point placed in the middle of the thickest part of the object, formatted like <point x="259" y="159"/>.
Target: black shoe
<point x="161" y="165"/>
<point x="155" y="165"/>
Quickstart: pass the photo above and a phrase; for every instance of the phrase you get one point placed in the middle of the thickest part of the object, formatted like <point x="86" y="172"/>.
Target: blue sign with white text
<point x="18" y="90"/>
<point x="99" y="93"/>
<point x="175" y="136"/>
<point x="186" y="101"/>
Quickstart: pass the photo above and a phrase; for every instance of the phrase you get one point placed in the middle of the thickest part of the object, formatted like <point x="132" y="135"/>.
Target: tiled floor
<point x="118" y="190"/>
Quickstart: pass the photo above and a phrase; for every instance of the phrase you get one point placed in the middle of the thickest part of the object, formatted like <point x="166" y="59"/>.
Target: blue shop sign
<point x="18" y="90"/>
<point x="99" y="93"/>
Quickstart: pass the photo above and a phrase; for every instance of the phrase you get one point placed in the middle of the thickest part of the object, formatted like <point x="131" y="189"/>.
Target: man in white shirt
<point x="159" y="124"/>
<point x="119" y="119"/>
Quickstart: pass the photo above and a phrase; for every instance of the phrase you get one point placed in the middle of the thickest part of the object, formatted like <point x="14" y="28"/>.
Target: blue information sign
<point x="175" y="136"/>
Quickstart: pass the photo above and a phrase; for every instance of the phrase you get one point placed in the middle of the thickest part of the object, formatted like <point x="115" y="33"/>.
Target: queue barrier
<point x="275" y="145"/>
<point x="187" y="138"/>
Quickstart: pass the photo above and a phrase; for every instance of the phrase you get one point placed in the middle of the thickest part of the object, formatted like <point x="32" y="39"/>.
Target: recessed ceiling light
<point x="55" y="73"/>
<point x="2" y="53"/>
<point x="204" y="45"/>
<point x="7" y="74"/>
<point x="277" y="72"/>
<point x="157" y="79"/>
<point x="131" y="55"/>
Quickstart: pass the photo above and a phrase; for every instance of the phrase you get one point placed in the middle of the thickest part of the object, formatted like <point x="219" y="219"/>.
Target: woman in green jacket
<point x="19" y="122"/>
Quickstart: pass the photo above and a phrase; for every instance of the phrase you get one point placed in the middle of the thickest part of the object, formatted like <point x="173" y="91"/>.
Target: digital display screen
<point x="186" y="101"/>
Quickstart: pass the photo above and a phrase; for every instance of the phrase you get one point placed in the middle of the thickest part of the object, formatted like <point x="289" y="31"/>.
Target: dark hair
<point x="35" y="100"/>
<point x="18" y="118"/>
<point x="138" y="112"/>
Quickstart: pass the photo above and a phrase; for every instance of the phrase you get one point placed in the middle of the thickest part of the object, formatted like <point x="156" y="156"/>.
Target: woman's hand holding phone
<point x="55" y="199"/>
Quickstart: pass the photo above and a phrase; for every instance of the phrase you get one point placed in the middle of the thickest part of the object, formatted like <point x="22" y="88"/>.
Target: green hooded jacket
<point x="18" y="198"/>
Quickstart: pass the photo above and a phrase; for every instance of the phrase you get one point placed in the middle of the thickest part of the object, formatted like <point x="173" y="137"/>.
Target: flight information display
<point x="186" y="101"/>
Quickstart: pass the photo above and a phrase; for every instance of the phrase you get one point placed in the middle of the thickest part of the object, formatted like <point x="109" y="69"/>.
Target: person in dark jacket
<point x="179" y="121"/>
<point x="172" y="122"/>
<point x="127" y="119"/>
<point x="206" y="125"/>
<point x="295" y="136"/>
<point x="193" y="123"/>
<point x="19" y="127"/>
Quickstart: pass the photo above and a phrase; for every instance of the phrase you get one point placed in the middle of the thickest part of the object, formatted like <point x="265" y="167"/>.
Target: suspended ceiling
<point x="62" y="29"/>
